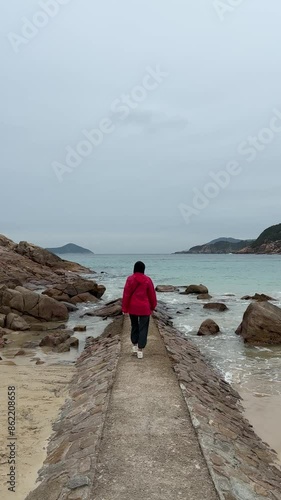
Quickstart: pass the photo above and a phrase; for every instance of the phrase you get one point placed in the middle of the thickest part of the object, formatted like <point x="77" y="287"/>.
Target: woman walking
<point x="139" y="301"/>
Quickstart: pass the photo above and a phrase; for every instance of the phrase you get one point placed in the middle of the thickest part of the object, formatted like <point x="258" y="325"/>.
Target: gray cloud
<point x="222" y="86"/>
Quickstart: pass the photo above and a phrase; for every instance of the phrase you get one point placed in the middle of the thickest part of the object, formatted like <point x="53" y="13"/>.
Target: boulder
<point x="2" y="320"/>
<point x="16" y="322"/>
<point x="216" y="306"/>
<point x="197" y="289"/>
<point x="260" y="297"/>
<point x="70" y="307"/>
<point x="84" y="297"/>
<point x="208" y="327"/>
<point x="38" y="254"/>
<point x="33" y="304"/>
<point x="80" y="328"/>
<point x="111" y="309"/>
<point x="204" y="296"/>
<point x="65" y="346"/>
<point x="165" y="288"/>
<point x="66" y="291"/>
<point x="55" y="338"/>
<point x="261" y="324"/>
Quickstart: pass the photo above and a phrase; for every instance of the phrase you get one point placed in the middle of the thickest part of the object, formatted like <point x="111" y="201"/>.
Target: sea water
<point x="254" y="371"/>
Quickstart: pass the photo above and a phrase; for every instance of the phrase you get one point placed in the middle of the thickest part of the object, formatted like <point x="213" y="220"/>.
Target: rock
<point x="84" y="297"/>
<point x="261" y="324"/>
<point x="70" y="307"/>
<point x="80" y="328"/>
<point x="40" y="362"/>
<point x="198" y="289"/>
<point x="165" y="288"/>
<point x="78" y="482"/>
<point x="21" y="352"/>
<point x="111" y="309"/>
<point x="217" y="306"/>
<point x="65" y="346"/>
<point x="208" y="327"/>
<point x="38" y="254"/>
<point x="15" y="322"/>
<point x="100" y="291"/>
<point x="2" y="320"/>
<point x="31" y="303"/>
<point x="53" y="339"/>
<point x="260" y="297"/>
<point x="65" y="291"/>
<point x="204" y="296"/>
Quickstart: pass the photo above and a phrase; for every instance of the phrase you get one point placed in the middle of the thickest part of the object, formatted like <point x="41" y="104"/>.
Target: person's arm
<point x="126" y="297"/>
<point x="152" y="296"/>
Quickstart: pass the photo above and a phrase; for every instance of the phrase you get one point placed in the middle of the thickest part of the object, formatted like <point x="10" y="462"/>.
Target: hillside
<point x="219" y="246"/>
<point x="69" y="248"/>
<point x="268" y="242"/>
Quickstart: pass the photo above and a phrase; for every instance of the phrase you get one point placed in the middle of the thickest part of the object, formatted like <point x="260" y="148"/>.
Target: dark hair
<point x="139" y="267"/>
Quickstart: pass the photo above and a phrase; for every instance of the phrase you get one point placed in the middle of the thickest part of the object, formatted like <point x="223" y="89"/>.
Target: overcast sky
<point x="199" y="81"/>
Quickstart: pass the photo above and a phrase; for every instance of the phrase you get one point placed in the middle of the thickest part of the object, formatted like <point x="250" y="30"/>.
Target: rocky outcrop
<point x="216" y="306"/>
<point x="268" y="242"/>
<point x="16" y="322"/>
<point x="165" y="288"/>
<point x="111" y="309"/>
<point x="208" y="327"/>
<point x="80" y="290"/>
<point x="260" y="297"/>
<point x="196" y="289"/>
<point x="26" y="263"/>
<point x="60" y="340"/>
<point x="261" y="324"/>
<point x="25" y="302"/>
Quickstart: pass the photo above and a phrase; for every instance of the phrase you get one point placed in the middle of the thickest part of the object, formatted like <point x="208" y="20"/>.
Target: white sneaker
<point x="140" y="354"/>
<point x="135" y="349"/>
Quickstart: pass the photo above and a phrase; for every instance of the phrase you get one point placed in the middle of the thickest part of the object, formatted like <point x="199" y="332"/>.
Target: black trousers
<point x="139" y="330"/>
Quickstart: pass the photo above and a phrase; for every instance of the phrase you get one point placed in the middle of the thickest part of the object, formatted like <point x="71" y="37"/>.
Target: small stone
<point x="21" y="352"/>
<point x="78" y="482"/>
<point x="80" y="328"/>
<point x="40" y="362"/>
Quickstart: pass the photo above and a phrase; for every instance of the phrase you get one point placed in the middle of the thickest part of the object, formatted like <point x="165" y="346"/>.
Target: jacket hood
<point x="139" y="277"/>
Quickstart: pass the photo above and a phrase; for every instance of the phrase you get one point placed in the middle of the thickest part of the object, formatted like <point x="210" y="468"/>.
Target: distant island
<point x="269" y="242"/>
<point x="69" y="248"/>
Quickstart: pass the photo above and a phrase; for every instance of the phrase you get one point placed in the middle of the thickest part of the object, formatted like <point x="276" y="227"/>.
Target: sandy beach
<point x="40" y="392"/>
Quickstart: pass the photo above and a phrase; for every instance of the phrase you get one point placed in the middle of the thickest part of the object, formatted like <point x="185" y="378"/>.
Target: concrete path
<point x="149" y="449"/>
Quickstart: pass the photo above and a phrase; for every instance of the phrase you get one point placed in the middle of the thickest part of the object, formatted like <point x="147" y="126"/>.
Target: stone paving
<point x="69" y="470"/>
<point x="241" y="465"/>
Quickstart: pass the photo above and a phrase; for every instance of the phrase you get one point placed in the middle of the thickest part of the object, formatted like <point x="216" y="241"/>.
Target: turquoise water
<point x="255" y="371"/>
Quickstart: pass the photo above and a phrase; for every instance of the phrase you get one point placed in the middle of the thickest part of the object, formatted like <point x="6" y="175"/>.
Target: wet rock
<point x="65" y="346"/>
<point x="70" y="307"/>
<point x="165" y="288"/>
<point x="261" y="324"/>
<point x="80" y="328"/>
<point x="204" y="296"/>
<point x="40" y="362"/>
<point x="21" y="352"/>
<point x="196" y="289"/>
<point x="216" y="306"/>
<point x="208" y="327"/>
<point x="260" y="297"/>
<point x="111" y="309"/>
<point x="78" y="482"/>
<point x="16" y="322"/>
<point x="53" y="339"/>
<point x="83" y="297"/>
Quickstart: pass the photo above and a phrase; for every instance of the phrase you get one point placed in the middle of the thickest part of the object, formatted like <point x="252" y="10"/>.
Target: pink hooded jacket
<point x="139" y="297"/>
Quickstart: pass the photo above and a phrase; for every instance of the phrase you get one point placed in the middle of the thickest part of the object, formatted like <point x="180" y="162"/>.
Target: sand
<point x="40" y="393"/>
